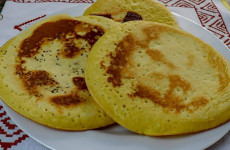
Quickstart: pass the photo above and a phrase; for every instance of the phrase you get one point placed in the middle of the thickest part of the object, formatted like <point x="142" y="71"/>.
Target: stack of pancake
<point x="124" y="61"/>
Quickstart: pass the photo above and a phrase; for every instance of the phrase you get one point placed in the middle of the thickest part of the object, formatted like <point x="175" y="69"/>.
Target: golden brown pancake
<point x="128" y="10"/>
<point x="157" y="80"/>
<point x="42" y="72"/>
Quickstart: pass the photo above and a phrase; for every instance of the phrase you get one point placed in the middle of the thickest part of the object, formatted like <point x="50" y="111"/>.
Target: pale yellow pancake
<point x="42" y="72"/>
<point x="157" y="80"/>
<point x="128" y="10"/>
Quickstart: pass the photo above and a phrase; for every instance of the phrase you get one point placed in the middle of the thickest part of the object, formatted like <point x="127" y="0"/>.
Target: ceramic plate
<point x="116" y="137"/>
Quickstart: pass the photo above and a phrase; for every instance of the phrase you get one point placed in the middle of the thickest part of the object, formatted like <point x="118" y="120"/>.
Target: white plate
<point x="116" y="137"/>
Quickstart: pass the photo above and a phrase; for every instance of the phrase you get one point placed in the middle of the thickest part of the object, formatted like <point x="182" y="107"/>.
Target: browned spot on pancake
<point x="223" y="79"/>
<point x="190" y="60"/>
<point x="131" y="16"/>
<point x="67" y="100"/>
<point x="124" y="49"/>
<point x="65" y="31"/>
<point x="102" y="64"/>
<point x="176" y="81"/>
<point x="169" y="99"/>
<point x="82" y="28"/>
<point x="93" y="35"/>
<point x="158" y="76"/>
<point x="59" y="29"/>
<point x="158" y="56"/>
<point x="152" y="32"/>
<point x="80" y="83"/>
<point x="196" y="103"/>
<point x="149" y="33"/>
<point x="118" y="62"/>
<point x="109" y="16"/>
<point x="71" y="50"/>
<point x="47" y="31"/>
<point x="217" y="63"/>
<point x="34" y="79"/>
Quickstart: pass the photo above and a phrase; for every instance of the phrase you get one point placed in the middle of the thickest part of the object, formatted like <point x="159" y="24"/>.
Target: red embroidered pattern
<point x="210" y="7"/>
<point x="10" y="131"/>
<point x="204" y="17"/>
<point x="227" y="42"/>
<point x="219" y="26"/>
<point x="44" y="1"/>
<point x="27" y="22"/>
<point x="208" y="14"/>
<point x="182" y="3"/>
<point x="197" y="2"/>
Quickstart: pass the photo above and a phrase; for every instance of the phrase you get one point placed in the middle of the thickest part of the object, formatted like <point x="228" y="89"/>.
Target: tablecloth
<point x="19" y="14"/>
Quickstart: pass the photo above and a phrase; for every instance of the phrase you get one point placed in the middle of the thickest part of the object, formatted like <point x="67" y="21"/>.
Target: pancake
<point x="128" y="10"/>
<point x="158" y="80"/>
<point x="42" y="72"/>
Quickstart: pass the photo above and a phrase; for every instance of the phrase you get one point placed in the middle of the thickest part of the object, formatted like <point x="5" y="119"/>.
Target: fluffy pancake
<point x="157" y="80"/>
<point x="128" y="10"/>
<point x="42" y="72"/>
